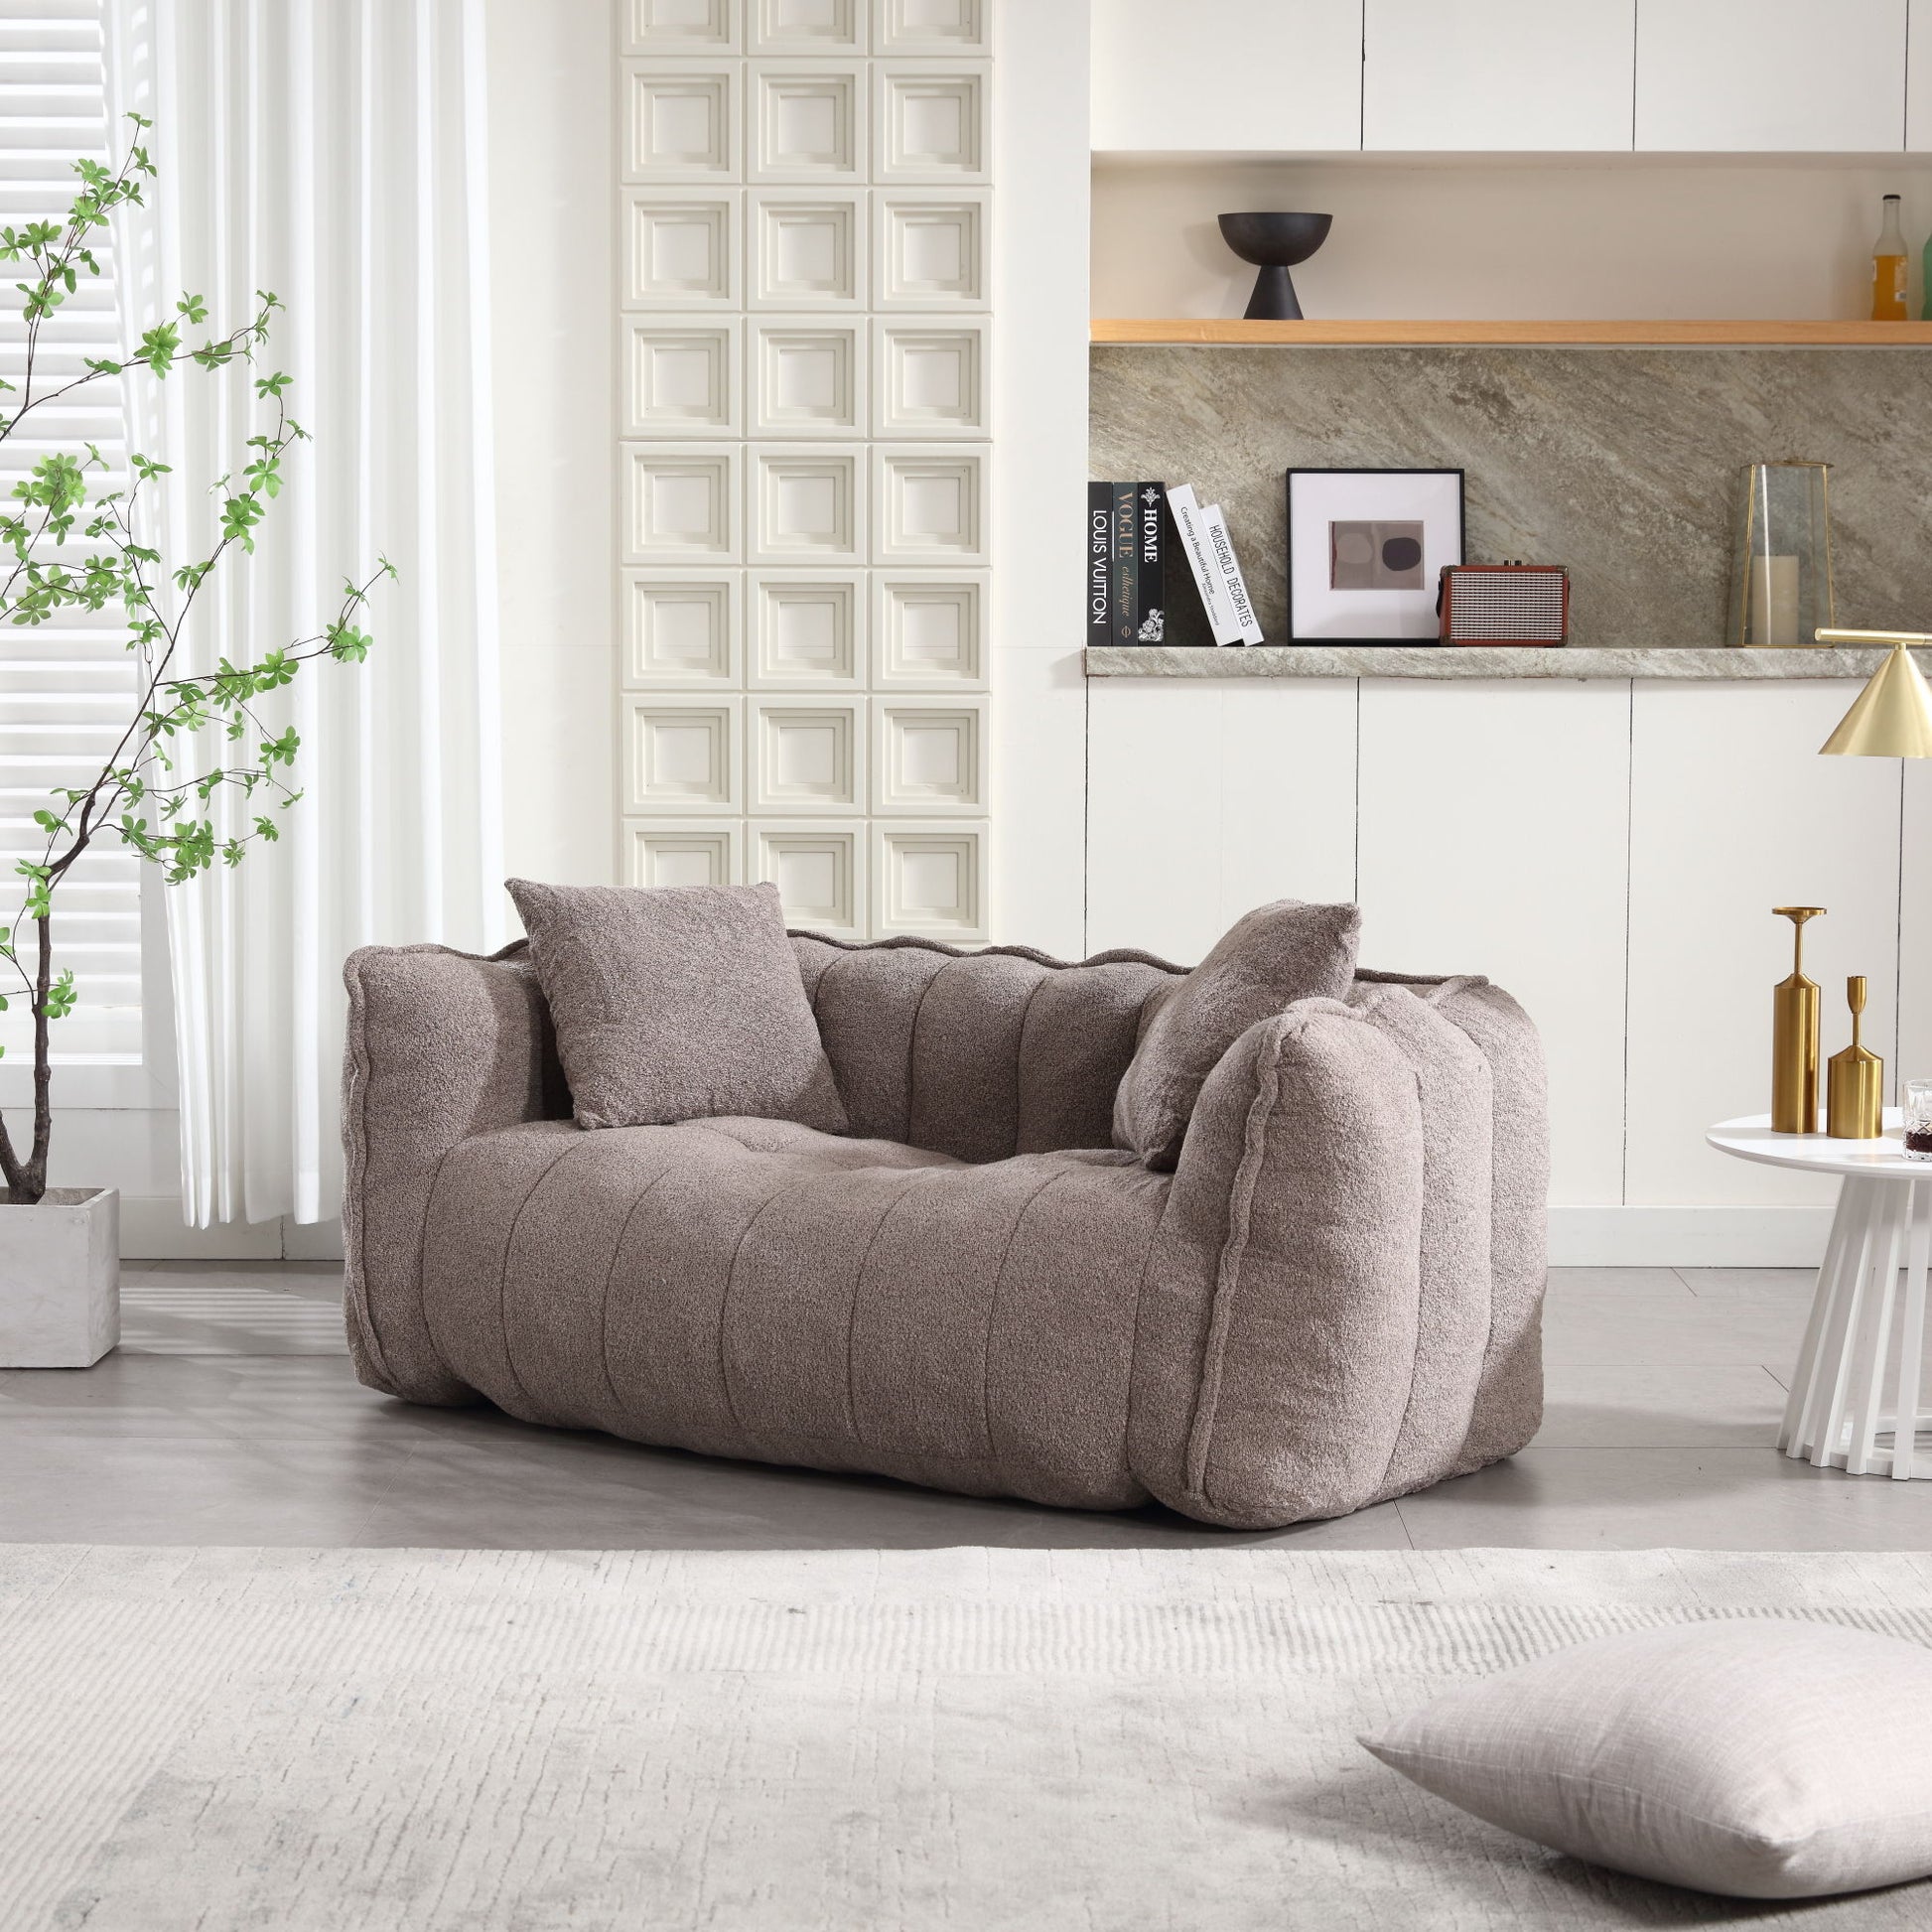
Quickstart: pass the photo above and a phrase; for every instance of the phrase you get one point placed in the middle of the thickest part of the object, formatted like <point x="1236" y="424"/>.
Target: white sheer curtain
<point x="331" y="151"/>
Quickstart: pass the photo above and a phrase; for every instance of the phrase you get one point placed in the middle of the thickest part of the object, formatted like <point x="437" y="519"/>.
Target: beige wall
<point x="1500" y="238"/>
<point x="552" y="87"/>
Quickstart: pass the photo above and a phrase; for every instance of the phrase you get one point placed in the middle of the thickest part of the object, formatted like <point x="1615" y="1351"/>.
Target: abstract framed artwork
<point x="1366" y="550"/>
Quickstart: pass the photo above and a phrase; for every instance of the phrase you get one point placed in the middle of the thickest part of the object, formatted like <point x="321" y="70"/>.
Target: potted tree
<point x="67" y="544"/>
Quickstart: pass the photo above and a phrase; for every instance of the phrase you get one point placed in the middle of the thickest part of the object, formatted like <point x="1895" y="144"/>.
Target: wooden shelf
<point x="1623" y="334"/>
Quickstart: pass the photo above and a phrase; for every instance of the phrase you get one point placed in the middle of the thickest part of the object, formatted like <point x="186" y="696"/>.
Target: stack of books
<point x="1134" y="530"/>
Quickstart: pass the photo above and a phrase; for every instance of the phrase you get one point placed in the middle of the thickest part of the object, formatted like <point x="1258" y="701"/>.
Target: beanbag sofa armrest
<point x="1279" y="1316"/>
<point x="442" y="1045"/>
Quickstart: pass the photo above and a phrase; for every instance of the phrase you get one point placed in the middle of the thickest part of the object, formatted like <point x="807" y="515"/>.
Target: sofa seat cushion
<point x="752" y="1288"/>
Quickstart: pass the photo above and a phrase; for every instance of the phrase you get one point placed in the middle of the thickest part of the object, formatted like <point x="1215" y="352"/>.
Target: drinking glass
<point x="1918" y="1120"/>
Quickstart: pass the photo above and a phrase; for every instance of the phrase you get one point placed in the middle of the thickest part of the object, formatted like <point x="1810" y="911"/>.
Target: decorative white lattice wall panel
<point x="803" y="474"/>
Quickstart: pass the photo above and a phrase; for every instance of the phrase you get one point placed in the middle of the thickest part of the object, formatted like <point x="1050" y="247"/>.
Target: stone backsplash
<point x="1620" y="463"/>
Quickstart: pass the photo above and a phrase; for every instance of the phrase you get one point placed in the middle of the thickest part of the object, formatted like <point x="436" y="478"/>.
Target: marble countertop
<point x="1478" y="660"/>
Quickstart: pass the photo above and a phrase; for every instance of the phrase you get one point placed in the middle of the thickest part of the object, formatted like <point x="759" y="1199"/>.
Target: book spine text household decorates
<point x="1226" y="560"/>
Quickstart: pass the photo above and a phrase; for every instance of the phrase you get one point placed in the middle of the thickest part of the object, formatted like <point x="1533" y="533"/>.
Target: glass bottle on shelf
<point x="1889" y="278"/>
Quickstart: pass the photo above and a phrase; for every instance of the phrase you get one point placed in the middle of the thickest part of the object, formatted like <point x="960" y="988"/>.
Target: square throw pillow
<point x="677" y="1003"/>
<point x="1758" y="1759"/>
<point x="1266" y="961"/>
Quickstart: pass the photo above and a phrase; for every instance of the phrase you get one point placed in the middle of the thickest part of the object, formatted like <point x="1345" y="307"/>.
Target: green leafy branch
<point x="67" y="547"/>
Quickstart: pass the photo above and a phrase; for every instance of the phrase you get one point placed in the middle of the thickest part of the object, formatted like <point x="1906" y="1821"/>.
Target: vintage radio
<point x="1504" y="604"/>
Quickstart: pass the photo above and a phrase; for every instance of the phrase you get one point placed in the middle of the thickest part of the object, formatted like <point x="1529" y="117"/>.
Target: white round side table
<point x="1836" y="1414"/>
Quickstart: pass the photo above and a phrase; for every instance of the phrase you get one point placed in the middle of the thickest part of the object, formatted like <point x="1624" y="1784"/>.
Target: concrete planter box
<point x="60" y="1279"/>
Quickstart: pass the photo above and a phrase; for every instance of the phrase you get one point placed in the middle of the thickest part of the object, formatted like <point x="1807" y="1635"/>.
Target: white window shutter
<point x="65" y="687"/>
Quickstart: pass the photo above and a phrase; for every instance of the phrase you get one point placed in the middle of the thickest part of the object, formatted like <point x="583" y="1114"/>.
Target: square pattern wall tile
<point x="929" y="879"/>
<point x="807" y="754"/>
<point x="807" y="250"/>
<point x="683" y="381"/>
<point x="681" y="628"/>
<point x="808" y="26"/>
<point x="806" y="376"/>
<point x="931" y="503"/>
<point x="658" y="27"/>
<point x="807" y="504"/>
<point x="682" y="119"/>
<point x="929" y="247"/>
<point x="819" y="869"/>
<point x="806" y="630"/>
<point x="929" y="630"/>
<point x="681" y="753"/>
<point x="681" y="251"/>
<point x="808" y="122"/>
<point x="933" y="26"/>
<point x="680" y="852"/>
<point x="804" y="323"/>
<point x="928" y="756"/>
<point x="930" y="380"/>
<point x="929" y="123"/>
<point x="681" y="502"/>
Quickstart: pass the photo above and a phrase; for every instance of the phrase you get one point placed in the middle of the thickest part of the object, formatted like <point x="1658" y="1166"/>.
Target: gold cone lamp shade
<point x="1891" y="718"/>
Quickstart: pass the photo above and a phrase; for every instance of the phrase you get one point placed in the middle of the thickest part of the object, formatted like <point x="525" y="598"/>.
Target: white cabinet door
<point x="1227" y="76"/>
<point x="1769" y="77"/>
<point x="1499" y="76"/>
<point x="1209" y="796"/>
<point x="1493" y="832"/>
<point x="1918" y="77"/>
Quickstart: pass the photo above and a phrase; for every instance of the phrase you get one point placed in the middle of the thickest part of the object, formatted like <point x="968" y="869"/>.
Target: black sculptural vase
<point x="1275" y="243"/>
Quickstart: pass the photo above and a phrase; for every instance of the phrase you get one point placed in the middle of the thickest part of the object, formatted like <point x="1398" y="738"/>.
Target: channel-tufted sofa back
<point x="983" y="1054"/>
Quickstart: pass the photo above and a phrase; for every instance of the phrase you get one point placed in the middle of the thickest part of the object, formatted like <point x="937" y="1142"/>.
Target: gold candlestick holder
<point x="1794" y="1035"/>
<point x="1855" y="1087"/>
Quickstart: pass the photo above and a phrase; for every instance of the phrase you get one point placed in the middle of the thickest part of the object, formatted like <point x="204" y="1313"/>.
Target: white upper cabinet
<point x="1770" y="77"/>
<point x="1227" y="76"/>
<point x="1919" y="77"/>
<point x="1499" y="76"/>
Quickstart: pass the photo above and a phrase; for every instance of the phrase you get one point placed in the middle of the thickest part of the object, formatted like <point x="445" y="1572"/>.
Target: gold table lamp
<point x="1891" y="718"/>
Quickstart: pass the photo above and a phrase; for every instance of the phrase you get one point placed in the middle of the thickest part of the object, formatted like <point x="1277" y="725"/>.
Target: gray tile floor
<point x="229" y="1415"/>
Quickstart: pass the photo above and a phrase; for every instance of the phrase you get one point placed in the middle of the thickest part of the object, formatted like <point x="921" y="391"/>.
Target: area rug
<point x="358" y="1741"/>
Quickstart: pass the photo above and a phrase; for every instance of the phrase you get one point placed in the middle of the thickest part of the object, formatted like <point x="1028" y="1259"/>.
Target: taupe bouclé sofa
<point x="1333" y="1299"/>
